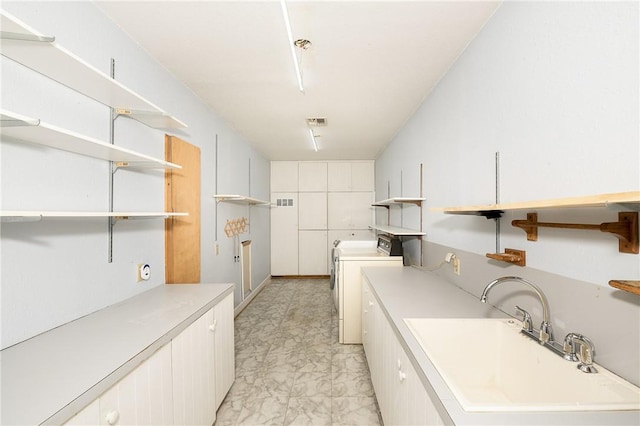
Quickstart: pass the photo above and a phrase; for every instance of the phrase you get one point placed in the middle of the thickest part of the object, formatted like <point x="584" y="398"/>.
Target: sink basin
<point x="490" y="366"/>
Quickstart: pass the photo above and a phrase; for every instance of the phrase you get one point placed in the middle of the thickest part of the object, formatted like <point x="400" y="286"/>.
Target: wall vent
<point x="316" y="122"/>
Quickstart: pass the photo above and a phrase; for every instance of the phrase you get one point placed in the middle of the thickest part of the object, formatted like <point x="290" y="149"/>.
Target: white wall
<point x="553" y="87"/>
<point x="54" y="272"/>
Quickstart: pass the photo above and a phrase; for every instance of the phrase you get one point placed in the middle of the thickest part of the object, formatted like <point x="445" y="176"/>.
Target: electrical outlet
<point x="456" y="266"/>
<point x="143" y="272"/>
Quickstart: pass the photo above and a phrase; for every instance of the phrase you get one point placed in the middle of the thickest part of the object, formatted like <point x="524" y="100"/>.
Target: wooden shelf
<point x="20" y="128"/>
<point x="42" y="54"/>
<point x="398" y="200"/>
<point x="34" y="216"/>
<point x="239" y="199"/>
<point x="393" y="230"/>
<point x="630" y="286"/>
<point x="601" y="200"/>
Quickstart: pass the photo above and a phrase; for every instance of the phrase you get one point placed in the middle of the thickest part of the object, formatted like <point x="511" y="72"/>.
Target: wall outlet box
<point x="144" y="272"/>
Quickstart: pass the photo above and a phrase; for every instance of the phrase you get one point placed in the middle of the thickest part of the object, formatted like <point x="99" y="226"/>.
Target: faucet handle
<point x="569" y="347"/>
<point x="526" y="319"/>
<point x="585" y="355"/>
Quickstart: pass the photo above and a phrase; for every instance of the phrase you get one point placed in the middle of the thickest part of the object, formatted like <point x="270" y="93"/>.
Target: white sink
<point x="490" y="366"/>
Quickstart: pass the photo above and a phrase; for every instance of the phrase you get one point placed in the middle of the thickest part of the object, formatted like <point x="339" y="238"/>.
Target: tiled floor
<point x="290" y="368"/>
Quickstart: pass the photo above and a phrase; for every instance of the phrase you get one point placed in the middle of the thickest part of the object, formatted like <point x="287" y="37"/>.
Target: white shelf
<point x="393" y="230"/>
<point x="17" y="127"/>
<point x="34" y="216"/>
<point x="398" y="200"/>
<point x="600" y="200"/>
<point x="26" y="46"/>
<point x="239" y="199"/>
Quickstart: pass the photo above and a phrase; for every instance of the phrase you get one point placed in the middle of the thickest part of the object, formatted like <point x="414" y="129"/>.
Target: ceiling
<point x="370" y="65"/>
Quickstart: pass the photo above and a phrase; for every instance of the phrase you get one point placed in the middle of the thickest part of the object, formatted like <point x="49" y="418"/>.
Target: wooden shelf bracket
<point x="517" y="257"/>
<point x="629" y="286"/>
<point x="625" y="229"/>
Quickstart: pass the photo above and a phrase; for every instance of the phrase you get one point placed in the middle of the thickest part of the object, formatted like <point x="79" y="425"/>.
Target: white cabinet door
<point x="284" y="176"/>
<point x="362" y="176"/>
<point x="144" y="396"/>
<point x="361" y="210"/>
<point x="339" y="176"/>
<point x="224" y="348"/>
<point x="312" y="210"/>
<point x="313" y="253"/>
<point x="351" y="176"/>
<point x="312" y="177"/>
<point x="401" y="396"/>
<point x="193" y="358"/>
<point x="350" y="210"/>
<point x="284" y="234"/>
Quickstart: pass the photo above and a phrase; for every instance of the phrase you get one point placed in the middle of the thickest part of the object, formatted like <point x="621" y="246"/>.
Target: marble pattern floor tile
<point x="290" y="368"/>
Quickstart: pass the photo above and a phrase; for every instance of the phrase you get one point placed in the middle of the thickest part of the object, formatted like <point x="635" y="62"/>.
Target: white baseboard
<point x="254" y="293"/>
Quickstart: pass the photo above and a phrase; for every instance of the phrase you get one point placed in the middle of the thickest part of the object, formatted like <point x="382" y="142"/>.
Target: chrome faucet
<point x="546" y="332"/>
<point x="545" y="335"/>
<point x="586" y="353"/>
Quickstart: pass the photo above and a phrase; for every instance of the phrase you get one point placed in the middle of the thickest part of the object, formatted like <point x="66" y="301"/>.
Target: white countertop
<point x="48" y="378"/>
<point x="410" y="293"/>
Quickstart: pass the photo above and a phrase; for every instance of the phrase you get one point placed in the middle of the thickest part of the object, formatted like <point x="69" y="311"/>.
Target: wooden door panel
<point x="182" y="194"/>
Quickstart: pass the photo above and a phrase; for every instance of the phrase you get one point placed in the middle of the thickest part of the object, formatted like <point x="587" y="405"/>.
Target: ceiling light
<point x="313" y="139"/>
<point x="292" y="44"/>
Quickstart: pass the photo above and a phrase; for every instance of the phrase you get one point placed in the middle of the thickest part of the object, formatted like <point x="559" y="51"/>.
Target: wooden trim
<point x="629" y="286"/>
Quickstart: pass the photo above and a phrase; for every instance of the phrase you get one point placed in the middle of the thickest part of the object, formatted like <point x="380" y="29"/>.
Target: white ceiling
<point x="370" y="66"/>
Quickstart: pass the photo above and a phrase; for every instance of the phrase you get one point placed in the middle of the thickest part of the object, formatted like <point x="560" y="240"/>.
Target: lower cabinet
<point x="224" y="349"/>
<point x="194" y="385"/>
<point x="143" y="397"/>
<point x="401" y="396"/>
<point x="312" y="253"/>
<point x="183" y="383"/>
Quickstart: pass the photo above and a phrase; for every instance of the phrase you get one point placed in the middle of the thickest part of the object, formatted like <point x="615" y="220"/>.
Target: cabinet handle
<point x="212" y="327"/>
<point x="399" y="364"/>
<point x="112" y="417"/>
<point x="401" y="376"/>
<point x="366" y="311"/>
<point x="370" y="303"/>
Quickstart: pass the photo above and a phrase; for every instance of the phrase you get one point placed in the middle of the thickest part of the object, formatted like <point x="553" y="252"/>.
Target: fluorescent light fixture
<point x="292" y="46"/>
<point x="313" y="139"/>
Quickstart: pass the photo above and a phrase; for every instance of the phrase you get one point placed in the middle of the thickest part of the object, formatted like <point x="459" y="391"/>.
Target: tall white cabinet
<point x="315" y="203"/>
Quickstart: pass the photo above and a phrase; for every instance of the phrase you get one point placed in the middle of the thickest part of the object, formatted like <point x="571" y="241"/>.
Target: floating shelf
<point x="239" y="199"/>
<point x="398" y="200"/>
<point x="35" y="216"/>
<point x="601" y="200"/>
<point x="629" y="286"/>
<point x="397" y="231"/>
<point x="42" y="54"/>
<point x="21" y="128"/>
